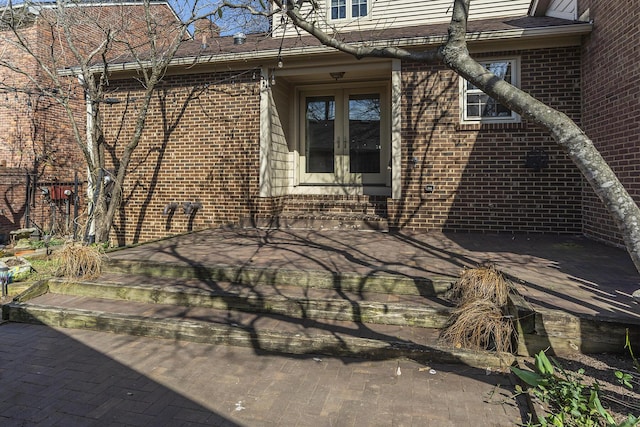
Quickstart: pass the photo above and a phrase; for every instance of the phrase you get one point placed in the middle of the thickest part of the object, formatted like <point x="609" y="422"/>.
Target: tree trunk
<point x="566" y="133"/>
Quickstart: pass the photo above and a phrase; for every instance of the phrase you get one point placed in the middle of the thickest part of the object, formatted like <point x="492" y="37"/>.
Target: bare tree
<point x="63" y="51"/>
<point x="455" y="55"/>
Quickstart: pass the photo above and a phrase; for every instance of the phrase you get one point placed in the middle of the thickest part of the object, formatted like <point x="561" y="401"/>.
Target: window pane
<point x="489" y="109"/>
<point x="320" y="118"/>
<point x="502" y="111"/>
<point x="479" y="105"/>
<point x="358" y="8"/>
<point x="500" y="69"/>
<point x="364" y="133"/>
<point x="338" y="9"/>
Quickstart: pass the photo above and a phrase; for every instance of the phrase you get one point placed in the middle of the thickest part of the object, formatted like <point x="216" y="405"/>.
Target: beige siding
<point x="565" y="9"/>
<point x="405" y="13"/>
<point x="279" y="159"/>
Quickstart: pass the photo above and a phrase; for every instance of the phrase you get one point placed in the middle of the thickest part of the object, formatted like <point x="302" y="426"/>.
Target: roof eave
<point x="575" y="29"/>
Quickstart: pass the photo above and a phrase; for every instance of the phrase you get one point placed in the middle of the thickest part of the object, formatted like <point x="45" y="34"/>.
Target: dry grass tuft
<point x="478" y="322"/>
<point x="479" y="325"/>
<point x="482" y="283"/>
<point x="78" y="260"/>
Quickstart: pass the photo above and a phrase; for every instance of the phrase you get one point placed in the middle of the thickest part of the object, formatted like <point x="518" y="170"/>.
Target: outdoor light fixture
<point x="337" y="75"/>
<point x="280" y="63"/>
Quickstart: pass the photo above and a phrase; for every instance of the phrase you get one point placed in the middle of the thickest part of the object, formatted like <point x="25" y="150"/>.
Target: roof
<point x="260" y="46"/>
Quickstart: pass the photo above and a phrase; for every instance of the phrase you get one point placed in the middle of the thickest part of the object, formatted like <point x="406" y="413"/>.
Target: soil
<point x="618" y="400"/>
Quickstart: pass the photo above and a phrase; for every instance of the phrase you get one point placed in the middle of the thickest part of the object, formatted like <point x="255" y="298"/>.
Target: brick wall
<point x="478" y="171"/>
<point x="13" y="182"/>
<point x="36" y="133"/>
<point x="201" y="144"/>
<point x="611" y="107"/>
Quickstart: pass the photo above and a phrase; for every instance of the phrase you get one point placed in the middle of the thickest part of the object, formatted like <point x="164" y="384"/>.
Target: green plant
<point x="626" y="378"/>
<point x="627" y="345"/>
<point x="569" y="401"/>
<point x="39" y="244"/>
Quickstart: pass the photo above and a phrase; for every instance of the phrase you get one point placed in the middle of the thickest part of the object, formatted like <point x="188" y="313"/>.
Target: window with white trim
<point x="477" y="106"/>
<point x="343" y="9"/>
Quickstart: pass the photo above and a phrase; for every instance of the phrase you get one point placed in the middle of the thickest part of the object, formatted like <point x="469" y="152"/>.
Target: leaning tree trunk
<point x="566" y="133"/>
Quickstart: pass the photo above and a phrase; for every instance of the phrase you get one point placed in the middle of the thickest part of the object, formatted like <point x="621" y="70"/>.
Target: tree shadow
<point x="57" y="379"/>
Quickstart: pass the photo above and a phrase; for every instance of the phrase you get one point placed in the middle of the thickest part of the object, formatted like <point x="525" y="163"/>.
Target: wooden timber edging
<point x="564" y="333"/>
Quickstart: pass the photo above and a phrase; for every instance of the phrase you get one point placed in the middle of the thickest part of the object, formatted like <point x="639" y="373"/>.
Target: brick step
<point x="291" y="301"/>
<point x="360" y="204"/>
<point x="263" y="332"/>
<point x="316" y="220"/>
<point x="325" y="213"/>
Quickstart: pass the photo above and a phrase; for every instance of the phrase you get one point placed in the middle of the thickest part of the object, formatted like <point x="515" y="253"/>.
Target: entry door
<point x="345" y="137"/>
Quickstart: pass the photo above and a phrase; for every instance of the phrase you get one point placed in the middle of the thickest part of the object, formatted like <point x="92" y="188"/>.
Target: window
<point x="480" y="107"/>
<point x="358" y="8"/>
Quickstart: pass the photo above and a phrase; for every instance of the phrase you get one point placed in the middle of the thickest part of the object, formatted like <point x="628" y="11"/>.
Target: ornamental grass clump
<point x="479" y="321"/>
<point x="483" y="283"/>
<point x="78" y="260"/>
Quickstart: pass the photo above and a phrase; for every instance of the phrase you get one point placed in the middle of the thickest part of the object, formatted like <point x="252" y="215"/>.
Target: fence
<point x="52" y="207"/>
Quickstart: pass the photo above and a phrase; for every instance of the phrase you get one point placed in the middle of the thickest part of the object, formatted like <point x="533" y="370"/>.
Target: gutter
<point x="410" y="42"/>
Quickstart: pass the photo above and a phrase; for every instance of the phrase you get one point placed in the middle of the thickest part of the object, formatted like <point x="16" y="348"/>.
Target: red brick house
<point x="281" y="131"/>
<point x="36" y="137"/>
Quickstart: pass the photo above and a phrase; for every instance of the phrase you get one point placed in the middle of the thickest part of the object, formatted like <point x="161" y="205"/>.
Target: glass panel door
<point x="345" y="137"/>
<point x="320" y="130"/>
<point x="364" y="133"/>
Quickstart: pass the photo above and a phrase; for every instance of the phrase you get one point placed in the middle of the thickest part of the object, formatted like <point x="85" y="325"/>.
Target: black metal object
<point x="58" y="195"/>
<point x="537" y="159"/>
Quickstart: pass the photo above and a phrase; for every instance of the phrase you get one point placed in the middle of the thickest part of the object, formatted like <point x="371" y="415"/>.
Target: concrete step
<point x="263" y="332"/>
<point x="292" y="301"/>
<point x="290" y="311"/>
<point x="398" y="284"/>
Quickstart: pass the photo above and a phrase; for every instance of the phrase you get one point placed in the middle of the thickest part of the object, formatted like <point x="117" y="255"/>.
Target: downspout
<point x="266" y="179"/>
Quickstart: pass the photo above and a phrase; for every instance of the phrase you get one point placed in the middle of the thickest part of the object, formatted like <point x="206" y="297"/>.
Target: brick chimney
<point x="205" y="30"/>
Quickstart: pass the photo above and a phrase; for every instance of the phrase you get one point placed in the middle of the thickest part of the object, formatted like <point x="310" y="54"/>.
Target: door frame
<point x="345" y="182"/>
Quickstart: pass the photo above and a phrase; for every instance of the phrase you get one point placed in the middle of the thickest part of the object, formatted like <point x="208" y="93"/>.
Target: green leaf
<point x="594" y="402"/>
<point x="543" y="365"/>
<point x="631" y="421"/>
<point x="531" y="378"/>
<point x="220" y="13"/>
